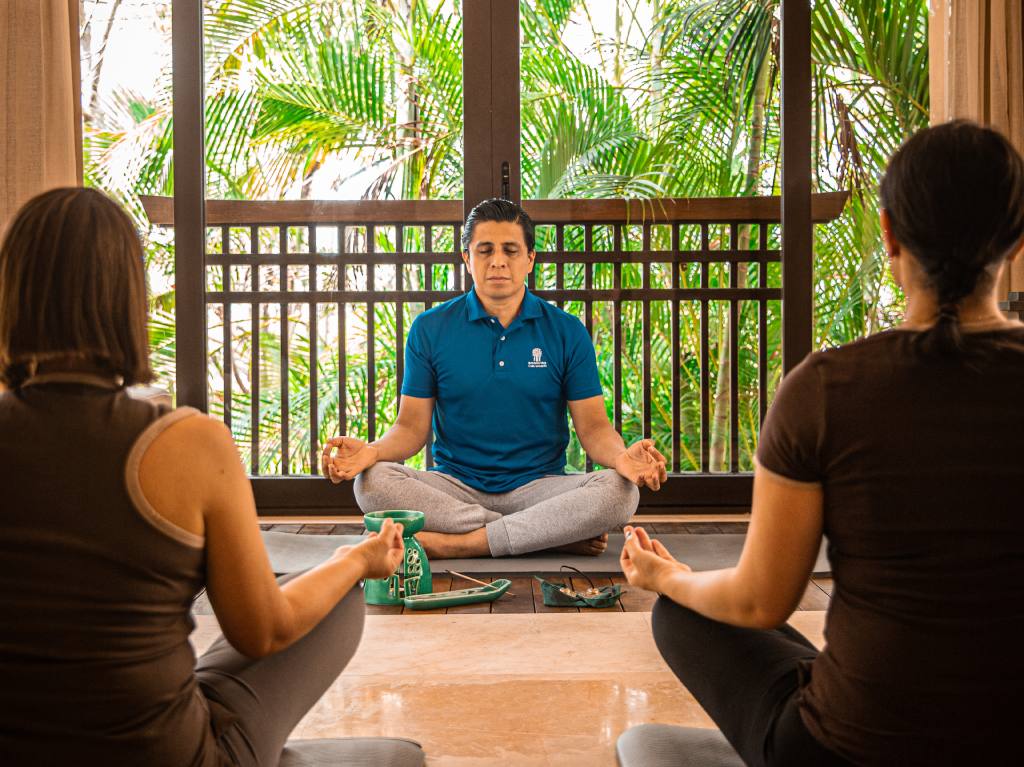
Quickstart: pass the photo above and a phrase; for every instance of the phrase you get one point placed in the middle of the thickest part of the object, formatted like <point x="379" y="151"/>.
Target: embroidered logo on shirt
<point x="537" y="362"/>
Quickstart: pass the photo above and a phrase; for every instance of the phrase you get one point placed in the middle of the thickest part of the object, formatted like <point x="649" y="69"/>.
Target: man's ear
<point x="532" y="255"/>
<point x="465" y="258"/>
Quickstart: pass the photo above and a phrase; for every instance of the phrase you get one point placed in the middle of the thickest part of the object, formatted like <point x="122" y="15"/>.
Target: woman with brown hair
<point x="116" y="512"/>
<point x="904" y="449"/>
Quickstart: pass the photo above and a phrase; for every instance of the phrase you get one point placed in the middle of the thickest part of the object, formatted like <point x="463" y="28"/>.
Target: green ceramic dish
<point x="460" y="597"/>
<point x="412" y="521"/>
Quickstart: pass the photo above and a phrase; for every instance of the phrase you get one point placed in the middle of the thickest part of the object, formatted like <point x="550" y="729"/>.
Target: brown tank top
<point x="96" y="587"/>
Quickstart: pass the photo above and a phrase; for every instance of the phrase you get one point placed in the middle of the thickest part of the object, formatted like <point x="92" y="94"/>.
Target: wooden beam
<point x="476" y="103"/>
<point x="189" y="193"/>
<point x="825" y="207"/>
<point x="316" y="496"/>
<point x="797" y="231"/>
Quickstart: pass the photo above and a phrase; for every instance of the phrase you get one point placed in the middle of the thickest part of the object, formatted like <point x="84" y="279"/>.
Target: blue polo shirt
<point x="500" y="393"/>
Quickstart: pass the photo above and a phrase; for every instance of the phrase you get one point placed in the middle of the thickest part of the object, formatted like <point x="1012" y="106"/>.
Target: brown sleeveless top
<point x="95" y="586"/>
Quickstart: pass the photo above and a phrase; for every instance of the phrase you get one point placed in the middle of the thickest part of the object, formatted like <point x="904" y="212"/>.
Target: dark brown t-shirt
<point x="922" y="468"/>
<point x="96" y="588"/>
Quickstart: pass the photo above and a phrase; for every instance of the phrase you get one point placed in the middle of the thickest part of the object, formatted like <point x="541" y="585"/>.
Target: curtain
<point x="976" y="71"/>
<point x="40" y="124"/>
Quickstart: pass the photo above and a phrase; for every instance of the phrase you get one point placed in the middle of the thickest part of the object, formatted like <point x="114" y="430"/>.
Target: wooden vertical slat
<point x="428" y="247"/>
<point x="734" y="385"/>
<point x="559" y="266"/>
<point x="617" y="325"/>
<point x="676" y="355"/>
<point x="283" y="328"/>
<point x="797" y="230"/>
<point x="371" y="352"/>
<point x="189" y="204"/>
<point x="477" y="155"/>
<point x="225" y="233"/>
<point x="734" y="355"/>
<point x="762" y="326"/>
<point x="254" y="349"/>
<point x="646" y="310"/>
<point x="342" y="340"/>
<point x="399" y="317"/>
<point x="588" y="304"/>
<point x="314" y="365"/>
<point x="705" y="356"/>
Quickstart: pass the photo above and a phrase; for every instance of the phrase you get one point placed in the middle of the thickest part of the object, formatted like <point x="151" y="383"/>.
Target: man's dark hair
<point x="955" y="198"/>
<point x="498" y="209"/>
<point x="72" y="286"/>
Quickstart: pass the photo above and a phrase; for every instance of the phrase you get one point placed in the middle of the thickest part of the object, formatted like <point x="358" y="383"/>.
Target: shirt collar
<point x="530" y="310"/>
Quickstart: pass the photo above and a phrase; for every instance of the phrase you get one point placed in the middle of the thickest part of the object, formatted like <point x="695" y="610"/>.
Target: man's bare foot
<point x="591" y="547"/>
<point x="454" y="545"/>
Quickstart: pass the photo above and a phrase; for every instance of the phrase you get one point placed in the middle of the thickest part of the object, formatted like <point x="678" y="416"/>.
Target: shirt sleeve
<point x="791" y="438"/>
<point x="420" y="379"/>
<point x="581" y="377"/>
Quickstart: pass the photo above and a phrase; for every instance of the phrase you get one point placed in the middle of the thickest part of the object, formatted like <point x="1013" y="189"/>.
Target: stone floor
<point x="508" y="690"/>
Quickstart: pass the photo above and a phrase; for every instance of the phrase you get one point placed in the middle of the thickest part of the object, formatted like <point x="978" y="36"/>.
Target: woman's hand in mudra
<point x="381" y="553"/>
<point x="345" y="457"/>
<point x="646" y="562"/>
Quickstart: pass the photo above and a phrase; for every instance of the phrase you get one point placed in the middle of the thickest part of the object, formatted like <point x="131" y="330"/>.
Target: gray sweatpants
<point x="550" y="511"/>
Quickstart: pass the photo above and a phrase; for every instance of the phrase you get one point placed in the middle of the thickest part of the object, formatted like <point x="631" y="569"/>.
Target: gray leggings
<point x="268" y="696"/>
<point x="550" y="511"/>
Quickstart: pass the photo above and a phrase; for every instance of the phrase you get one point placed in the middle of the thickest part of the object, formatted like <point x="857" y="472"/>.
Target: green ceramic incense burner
<point x="413" y="575"/>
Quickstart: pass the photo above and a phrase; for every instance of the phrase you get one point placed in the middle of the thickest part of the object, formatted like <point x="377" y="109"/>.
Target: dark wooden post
<point x="797" y="230"/>
<point x="490" y="72"/>
<point x="189" y="209"/>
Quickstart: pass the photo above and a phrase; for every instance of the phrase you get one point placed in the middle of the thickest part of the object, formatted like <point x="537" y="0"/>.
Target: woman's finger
<point x="632" y="546"/>
<point x="661" y="551"/>
<point x="643" y="539"/>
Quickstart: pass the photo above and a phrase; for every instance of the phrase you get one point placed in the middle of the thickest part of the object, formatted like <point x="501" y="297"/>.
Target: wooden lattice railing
<point x="682" y="297"/>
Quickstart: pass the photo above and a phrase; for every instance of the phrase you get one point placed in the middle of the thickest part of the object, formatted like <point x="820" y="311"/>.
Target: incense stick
<point x="474" y="580"/>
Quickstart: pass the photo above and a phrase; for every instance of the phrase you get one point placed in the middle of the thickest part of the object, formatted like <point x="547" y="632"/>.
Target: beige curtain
<point x="40" y="125"/>
<point x="977" y="71"/>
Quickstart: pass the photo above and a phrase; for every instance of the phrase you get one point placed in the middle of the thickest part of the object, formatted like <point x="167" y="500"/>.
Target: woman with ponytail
<point x="904" y="449"/>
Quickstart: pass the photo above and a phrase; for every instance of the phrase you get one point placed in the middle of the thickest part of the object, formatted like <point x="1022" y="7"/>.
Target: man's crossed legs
<point x="546" y="513"/>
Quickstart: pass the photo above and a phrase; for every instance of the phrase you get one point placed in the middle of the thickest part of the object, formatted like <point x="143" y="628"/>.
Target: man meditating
<point x="494" y="370"/>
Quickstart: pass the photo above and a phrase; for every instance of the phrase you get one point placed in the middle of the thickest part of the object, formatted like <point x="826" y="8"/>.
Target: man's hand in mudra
<point x="642" y="464"/>
<point x="345" y="457"/>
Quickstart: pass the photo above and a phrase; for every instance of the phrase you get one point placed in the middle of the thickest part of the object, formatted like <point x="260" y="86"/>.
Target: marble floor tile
<point x="510" y="690"/>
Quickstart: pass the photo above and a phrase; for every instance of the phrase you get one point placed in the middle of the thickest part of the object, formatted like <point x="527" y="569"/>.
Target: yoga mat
<point x="290" y="552"/>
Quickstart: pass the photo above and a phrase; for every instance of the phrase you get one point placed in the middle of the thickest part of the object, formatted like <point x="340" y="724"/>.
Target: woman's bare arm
<point x="192" y="476"/>
<point x="766" y="585"/>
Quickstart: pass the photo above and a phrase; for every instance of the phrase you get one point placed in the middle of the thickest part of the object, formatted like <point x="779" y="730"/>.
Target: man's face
<point x="498" y="259"/>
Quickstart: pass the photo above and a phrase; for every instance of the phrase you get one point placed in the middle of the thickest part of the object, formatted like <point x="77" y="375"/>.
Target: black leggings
<point x="746" y="679"/>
